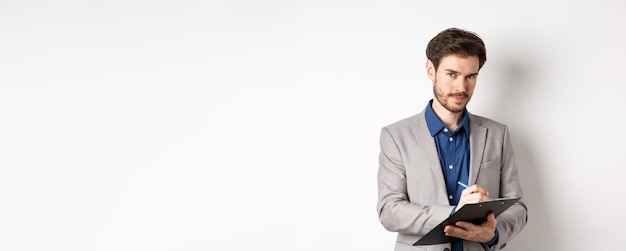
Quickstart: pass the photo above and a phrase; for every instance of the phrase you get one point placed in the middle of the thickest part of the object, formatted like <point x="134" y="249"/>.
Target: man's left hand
<point x="472" y="232"/>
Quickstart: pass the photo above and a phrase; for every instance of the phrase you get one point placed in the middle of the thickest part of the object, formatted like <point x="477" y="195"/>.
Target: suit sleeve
<point x="396" y="212"/>
<point x="513" y="220"/>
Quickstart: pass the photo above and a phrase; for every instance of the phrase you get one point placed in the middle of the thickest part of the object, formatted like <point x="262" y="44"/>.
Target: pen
<point x="463" y="185"/>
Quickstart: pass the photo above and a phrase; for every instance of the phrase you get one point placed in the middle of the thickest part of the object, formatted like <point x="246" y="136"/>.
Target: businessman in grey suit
<point x="423" y="158"/>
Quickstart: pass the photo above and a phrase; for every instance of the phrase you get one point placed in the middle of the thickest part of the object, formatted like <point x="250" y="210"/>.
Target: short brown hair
<point x="456" y="41"/>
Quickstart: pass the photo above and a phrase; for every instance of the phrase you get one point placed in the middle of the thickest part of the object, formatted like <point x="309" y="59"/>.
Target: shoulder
<point x="406" y="123"/>
<point x="476" y="120"/>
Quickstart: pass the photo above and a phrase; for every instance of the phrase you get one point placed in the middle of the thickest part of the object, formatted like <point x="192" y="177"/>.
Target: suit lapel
<point x="426" y="142"/>
<point x="478" y="139"/>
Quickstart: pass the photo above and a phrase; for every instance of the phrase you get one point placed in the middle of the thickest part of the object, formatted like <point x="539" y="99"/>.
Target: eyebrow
<point x="456" y="72"/>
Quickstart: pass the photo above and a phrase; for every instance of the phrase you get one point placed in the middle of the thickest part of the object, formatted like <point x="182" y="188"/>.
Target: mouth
<point x="458" y="98"/>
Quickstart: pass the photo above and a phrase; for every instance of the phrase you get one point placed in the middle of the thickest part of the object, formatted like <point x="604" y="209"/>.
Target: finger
<point x="464" y="225"/>
<point x="475" y="189"/>
<point x="481" y="190"/>
<point x="491" y="218"/>
<point x="466" y="191"/>
<point x="454" y="231"/>
<point x="484" y="197"/>
<point x="480" y="195"/>
<point x="472" y="198"/>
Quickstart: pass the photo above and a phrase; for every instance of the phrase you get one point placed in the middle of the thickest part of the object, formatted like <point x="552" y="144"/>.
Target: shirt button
<point x="450" y="196"/>
<point x="450" y="166"/>
<point x="445" y="129"/>
<point x="451" y="139"/>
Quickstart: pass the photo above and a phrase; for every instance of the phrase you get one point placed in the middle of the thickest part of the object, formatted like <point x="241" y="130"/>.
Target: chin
<point x="456" y="108"/>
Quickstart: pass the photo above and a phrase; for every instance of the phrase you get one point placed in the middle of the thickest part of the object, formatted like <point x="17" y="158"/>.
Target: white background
<point x="254" y="125"/>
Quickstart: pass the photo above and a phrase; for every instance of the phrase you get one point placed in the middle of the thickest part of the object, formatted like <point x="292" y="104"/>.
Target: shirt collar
<point x="435" y="125"/>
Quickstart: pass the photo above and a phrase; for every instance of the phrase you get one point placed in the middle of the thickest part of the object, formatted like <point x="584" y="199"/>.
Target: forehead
<point x="460" y="63"/>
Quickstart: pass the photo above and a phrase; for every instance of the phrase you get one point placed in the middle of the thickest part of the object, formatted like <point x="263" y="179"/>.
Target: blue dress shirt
<point x="453" y="148"/>
<point x="454" y="155"/>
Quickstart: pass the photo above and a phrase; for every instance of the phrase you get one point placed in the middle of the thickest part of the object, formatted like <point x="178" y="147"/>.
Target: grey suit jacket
<point x="412" y="196"/>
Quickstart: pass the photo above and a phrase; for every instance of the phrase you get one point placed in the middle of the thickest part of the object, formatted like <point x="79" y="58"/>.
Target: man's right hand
<point x="472" y="194"/>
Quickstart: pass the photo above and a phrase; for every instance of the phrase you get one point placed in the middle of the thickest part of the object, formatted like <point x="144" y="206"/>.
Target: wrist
<point x="493" y="240"/>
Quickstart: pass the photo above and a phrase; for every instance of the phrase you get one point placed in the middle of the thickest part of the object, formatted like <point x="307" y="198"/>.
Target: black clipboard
<point x="475" y="213"/>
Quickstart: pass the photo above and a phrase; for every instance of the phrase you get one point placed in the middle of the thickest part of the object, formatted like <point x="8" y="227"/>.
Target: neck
<point x="448" y="118"/>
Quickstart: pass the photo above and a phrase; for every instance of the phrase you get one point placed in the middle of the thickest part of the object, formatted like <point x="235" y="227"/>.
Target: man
<point x="423" y="158"/>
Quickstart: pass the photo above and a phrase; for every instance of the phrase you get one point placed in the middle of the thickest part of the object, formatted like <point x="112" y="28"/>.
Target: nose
<point x="460" y="84"/>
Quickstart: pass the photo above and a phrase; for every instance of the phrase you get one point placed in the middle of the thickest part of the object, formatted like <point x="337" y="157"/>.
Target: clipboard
<point x="476" y="213"/>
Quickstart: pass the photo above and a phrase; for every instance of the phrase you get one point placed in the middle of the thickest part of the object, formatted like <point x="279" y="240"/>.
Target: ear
<point x="430" y="70"/>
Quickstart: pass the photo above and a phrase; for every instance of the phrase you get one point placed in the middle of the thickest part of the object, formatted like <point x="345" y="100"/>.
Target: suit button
<point x="502" y="246"/>
<point x="446" y="249"/>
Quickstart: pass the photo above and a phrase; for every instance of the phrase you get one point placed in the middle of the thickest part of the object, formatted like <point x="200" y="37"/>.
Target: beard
<point x="451" y="106"/>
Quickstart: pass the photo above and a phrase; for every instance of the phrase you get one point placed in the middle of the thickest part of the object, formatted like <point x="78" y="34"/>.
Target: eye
<point x="471" y="76"/>
<point x="451" y="74"/>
